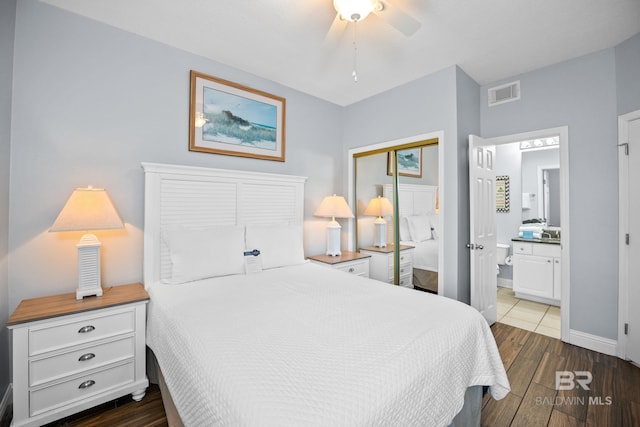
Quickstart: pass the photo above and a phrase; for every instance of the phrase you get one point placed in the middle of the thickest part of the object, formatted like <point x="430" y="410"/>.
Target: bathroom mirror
<point x="541" y="185"/>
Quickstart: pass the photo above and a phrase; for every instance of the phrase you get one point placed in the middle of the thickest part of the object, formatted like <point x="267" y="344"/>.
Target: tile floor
<point x="531" y="316"/>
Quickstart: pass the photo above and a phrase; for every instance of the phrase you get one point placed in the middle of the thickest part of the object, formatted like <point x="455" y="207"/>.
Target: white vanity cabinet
<point x="537" y="271"/>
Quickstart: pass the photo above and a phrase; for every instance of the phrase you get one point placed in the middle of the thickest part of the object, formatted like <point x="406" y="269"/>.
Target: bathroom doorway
<point x="526" y="203"/>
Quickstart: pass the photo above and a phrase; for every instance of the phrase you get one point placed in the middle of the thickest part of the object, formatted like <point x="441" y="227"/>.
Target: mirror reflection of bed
<point x="419" y="227"/>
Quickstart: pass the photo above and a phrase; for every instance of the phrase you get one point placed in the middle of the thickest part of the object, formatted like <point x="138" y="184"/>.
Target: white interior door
<point x="482" y="198"/>
<point x="630" y="246"/>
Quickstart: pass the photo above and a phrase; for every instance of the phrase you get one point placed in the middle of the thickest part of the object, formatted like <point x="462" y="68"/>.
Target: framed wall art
<point x="502" y="193"/>
<point x="235" y="120"/>
<point x="409" y="162"/>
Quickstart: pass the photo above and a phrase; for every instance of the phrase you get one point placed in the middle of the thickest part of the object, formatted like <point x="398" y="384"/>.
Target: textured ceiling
<point x="288" y="41"/>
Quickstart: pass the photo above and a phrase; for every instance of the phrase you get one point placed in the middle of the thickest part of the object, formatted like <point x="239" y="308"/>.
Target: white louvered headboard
<point x="200" y="197"/>
<point x="414" y="199"/>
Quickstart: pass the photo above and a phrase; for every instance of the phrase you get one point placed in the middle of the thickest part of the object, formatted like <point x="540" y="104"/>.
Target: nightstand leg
<point x="138" y="394"/>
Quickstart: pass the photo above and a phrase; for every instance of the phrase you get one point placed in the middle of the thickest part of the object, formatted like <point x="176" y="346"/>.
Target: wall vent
<point x="504" y="93"/>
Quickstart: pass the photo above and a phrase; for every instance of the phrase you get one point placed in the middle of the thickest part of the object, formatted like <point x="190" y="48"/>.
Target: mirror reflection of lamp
<point x="88" y="209"/>
<point x="380" y="207"/>
<point x="333" y="207"/>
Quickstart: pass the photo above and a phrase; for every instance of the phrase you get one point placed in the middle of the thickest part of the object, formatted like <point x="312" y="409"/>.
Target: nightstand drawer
<point x="404" y="270"/>
<point x="80" y="330"/>
<point x="74" y="362"/>
<point x="406" y="258"/>
<point x="358" y="268"/>
<point x="406" y="280"/>
<point x="49" y="398"/>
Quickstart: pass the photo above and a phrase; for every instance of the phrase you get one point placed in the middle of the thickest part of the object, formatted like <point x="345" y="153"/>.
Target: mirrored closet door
<point x="397" y="220"/>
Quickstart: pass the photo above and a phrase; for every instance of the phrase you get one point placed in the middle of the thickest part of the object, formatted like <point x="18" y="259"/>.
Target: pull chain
<point x="355" y="52"/>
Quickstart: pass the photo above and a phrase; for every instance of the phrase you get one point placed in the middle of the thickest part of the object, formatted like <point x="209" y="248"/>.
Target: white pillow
<point x="199" y="253"/>
<point x="405" y="233"/>
<point x="420" y="228"/>
<point x="279" y="245"/>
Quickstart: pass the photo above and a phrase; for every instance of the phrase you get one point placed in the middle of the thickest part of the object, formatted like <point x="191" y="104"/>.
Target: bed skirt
<point x="425" y="280"/>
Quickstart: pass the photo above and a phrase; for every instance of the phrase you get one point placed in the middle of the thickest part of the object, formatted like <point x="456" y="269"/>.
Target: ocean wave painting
<point x="236" y="120"/>
<point x="231" y="119"/>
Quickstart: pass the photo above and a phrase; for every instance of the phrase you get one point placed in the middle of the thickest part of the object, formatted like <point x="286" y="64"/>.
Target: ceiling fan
<point x="358" y="10"/>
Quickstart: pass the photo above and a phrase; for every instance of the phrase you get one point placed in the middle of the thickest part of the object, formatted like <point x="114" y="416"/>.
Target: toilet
<point x="502" y="252"/>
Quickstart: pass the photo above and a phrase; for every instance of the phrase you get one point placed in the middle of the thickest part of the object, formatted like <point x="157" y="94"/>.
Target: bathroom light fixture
<point x="540" y="143"/>
<point x="88" y="209"/>
<point x="333" y="207"/>
<point x="380" y="207"/>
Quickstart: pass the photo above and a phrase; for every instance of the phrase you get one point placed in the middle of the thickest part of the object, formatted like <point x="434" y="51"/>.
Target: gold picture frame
<point x="231" y="119"/>
<point x="409" y="162"/>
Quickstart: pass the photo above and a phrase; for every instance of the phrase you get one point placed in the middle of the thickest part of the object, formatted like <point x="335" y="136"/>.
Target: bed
<point x="419" y="227"/>
<point x="289" y="342"/>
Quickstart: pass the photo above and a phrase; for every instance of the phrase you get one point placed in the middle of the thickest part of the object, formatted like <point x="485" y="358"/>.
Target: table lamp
<point x="380" y="207"/>
<point x="333" y="207"/>
<point x="88" y="209"/>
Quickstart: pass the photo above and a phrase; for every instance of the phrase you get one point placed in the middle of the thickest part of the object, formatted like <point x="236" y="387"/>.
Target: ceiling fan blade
<point x="398" y="18"/>
<point x="337" y="29"/>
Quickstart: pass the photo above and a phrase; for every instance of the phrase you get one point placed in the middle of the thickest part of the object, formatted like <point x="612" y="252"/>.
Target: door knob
<point x="470" y="246"/>
<point x="479" y="247"/>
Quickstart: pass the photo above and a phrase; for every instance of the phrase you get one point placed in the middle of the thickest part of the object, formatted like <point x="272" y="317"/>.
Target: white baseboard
<point x="6" y="400"/>
<point x="593" y="342"/>
<point x="505" y="283"/>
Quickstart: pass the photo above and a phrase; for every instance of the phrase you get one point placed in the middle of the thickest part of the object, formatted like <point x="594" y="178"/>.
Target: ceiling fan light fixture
<point x="354" y="10"/>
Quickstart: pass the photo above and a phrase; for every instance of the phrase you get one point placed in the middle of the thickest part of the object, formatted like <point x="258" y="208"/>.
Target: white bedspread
<point x="425" y="254"/>
<point x="308" y="345"/>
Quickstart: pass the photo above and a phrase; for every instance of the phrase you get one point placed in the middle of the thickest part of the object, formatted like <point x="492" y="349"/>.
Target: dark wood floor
<point x="531" y="361"/>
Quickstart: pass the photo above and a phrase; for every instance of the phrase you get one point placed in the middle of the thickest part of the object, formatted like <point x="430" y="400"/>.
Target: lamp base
<point x="380" y="233"/>
<point x="88" y="267"/>
<point x="333" y="238"/>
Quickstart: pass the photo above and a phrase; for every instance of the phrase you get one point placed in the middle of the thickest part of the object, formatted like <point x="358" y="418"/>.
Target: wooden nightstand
<point x="70" y="355"/>
<point x="382" y="263"/>
<point x="349" y="262"/>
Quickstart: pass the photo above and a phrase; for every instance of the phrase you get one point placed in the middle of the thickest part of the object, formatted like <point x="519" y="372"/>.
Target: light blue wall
<point x="580" y="94"/>
<point x="627" y="72"/>
<point x="7" y="23"/>
<point x="90" y="103"/>
<point x="426" y="105"/>
<point x="468" y="122"/>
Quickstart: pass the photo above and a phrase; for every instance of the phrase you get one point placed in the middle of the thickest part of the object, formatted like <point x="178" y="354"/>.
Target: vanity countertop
<point x="545" y="240"/>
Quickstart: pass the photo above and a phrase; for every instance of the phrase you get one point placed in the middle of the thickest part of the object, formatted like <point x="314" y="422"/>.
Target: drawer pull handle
<point x="86" y="329"/>
<point x="86" y="357"/>
<point x="351" y="269"/>
<point x="86" y="384"/>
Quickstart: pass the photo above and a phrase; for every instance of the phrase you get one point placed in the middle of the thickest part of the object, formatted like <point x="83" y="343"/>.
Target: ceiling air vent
<point x="504" y="93"/>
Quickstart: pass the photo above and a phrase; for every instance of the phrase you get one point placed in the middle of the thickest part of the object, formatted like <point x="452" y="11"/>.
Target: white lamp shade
<point x="88" y="209"/>
<point x="334" y="207"/>
<point x="379" y="206"/>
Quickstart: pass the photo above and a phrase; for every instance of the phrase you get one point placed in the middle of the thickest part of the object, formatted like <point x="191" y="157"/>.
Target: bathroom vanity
<point x="537" y="270"/>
